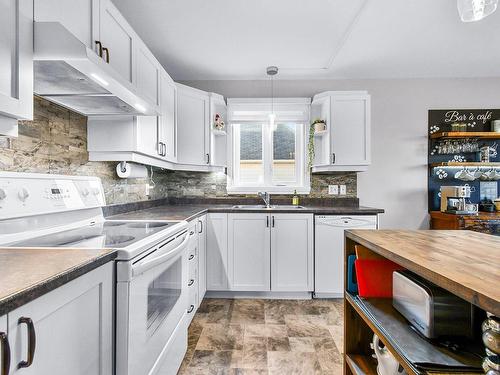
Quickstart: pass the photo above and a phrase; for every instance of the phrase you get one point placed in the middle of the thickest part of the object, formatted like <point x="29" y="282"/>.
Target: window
<point x="267" y="157"/>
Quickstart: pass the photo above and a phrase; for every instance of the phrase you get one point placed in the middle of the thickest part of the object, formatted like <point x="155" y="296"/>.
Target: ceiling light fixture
<point x="475" y="10"/>
<point x="271" y="72"/>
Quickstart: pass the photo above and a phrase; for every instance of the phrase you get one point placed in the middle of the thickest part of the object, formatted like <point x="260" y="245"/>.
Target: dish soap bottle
<point x="295" y="199"/>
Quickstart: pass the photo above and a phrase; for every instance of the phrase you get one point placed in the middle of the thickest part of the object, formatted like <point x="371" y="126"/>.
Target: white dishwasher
<point x="329" y="251"/>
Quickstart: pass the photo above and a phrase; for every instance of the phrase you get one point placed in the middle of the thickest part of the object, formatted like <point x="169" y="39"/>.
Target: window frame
<point x="261" y="106"/>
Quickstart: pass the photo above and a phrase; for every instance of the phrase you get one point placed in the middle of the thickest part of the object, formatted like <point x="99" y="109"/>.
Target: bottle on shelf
<point x="295" y="199"/>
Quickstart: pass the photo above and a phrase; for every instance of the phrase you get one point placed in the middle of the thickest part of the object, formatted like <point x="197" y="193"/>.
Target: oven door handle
<point x="146" y="264"/>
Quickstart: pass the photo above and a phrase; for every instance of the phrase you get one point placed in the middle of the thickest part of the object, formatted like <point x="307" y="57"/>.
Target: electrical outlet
<point x="333" y="189"/>
<point x="213" y="187"/>
<point x="148" y="189"/>
<point x="343" y="190"/>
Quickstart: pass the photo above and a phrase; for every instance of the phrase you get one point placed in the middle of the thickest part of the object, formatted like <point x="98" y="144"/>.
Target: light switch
<point x="343" y="190"/>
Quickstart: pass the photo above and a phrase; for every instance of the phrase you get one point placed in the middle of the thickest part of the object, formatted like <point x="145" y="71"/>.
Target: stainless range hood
<point x="70" y="74"/>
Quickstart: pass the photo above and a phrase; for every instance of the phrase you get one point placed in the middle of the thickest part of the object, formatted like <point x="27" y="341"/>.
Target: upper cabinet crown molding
<point x="16" y="59"/>
<point x="346" y="143"/>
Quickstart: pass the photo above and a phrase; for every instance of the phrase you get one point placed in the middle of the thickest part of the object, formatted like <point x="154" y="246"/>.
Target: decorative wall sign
<point x="461" y="150"/>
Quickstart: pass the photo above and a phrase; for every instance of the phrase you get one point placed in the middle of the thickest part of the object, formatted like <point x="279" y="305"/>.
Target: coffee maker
<point x="453" y="200"/>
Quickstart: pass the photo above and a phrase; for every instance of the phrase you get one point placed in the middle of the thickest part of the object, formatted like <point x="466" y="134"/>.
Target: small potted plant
<point x="218" y="122"/>
<point x="319" y="125"/>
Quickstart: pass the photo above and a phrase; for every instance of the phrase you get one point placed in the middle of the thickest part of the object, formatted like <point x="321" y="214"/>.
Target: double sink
<point x="270" y="207"/>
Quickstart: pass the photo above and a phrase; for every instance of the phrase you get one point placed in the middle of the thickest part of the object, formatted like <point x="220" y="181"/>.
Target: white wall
<point x="397" y="179"/>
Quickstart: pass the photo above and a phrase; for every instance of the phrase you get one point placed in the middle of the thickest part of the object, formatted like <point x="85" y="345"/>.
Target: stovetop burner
<point x="112" y="234"/>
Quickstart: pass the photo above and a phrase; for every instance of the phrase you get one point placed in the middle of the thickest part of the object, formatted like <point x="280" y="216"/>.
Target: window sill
<point x="270" y="189"/>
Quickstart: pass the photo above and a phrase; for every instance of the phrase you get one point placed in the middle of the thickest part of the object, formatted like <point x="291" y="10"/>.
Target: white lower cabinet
<point x="217" y="277"/>
<point x="249" y="260"/>
<point x="66" y="331"/>
<point x="292" y="259"/>
<point x="264" y="252"/>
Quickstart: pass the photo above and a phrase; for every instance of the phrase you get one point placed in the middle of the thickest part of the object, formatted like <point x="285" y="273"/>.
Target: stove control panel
<point x="23" y="194"/>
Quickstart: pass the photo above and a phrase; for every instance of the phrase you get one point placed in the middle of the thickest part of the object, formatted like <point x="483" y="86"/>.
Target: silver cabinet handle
<point x="208" y="158"/>
<point x="191" y="282"/>
<point x="4" y="341"/>
<point x="273" y="221"/>
<point x="191" y="257"/>
<point x="201" y="226"/>
<point x="333" y="158"/>
<point x="191" y="308"/>
<point x="105" y="49"/>
<point x="267" y="221"/>
<point x="31" y="342"/>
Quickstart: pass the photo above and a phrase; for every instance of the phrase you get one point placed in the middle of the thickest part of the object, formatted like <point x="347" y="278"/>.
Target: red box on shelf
<point x="374" y="277"/>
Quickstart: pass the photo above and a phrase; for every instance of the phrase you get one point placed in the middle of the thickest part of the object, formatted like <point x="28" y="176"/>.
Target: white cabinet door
<point x="147" y="72"/>
<point x="350" y="130"/>
<point x="16" y="60"/>
<point x="292" y="252"/>
<point x="192" y="125"/>
<point x="168" y="119"/>
<point x="118" y="37"/>
<point x="249" y="252"/>
<point x="146" y="134"/>
<point x="202" y="256"/>
<point x="217" y="275"/>
<point x="73" y="328"/>
<point x="80" y="17"/>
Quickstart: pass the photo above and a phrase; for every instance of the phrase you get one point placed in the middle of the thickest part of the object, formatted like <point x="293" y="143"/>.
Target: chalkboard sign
<point x="460" y="150"/>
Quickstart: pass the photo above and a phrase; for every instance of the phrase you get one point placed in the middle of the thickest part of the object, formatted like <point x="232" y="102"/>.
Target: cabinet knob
<point x="23" y="194"/>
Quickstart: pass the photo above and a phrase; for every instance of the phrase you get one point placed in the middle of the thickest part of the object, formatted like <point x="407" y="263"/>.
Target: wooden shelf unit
<point x="456" y="135"/>
<point x="450" y="259"/>
<point x="466" y="164"/>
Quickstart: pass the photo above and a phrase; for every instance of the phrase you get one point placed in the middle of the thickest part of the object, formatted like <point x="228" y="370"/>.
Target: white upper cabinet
<point x="167" y="122"/>
<point x="16" y="60"/>
<point x="249" y="244"/>
<point x="345" y="145"/>
<point x="147" y="73"/>
<point x="292" y="259"/>
<point x="80" y="17"/>
<point x="117" y="38"/>
<point x="192" y="126"/>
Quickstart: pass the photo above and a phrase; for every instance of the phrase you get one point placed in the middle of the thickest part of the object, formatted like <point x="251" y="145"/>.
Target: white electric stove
<point x="46" y="211"/>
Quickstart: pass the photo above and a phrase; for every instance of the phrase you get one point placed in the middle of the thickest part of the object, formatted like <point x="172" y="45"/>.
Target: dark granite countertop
<point x="29" y="273"/>
<point x="191" y="211"/>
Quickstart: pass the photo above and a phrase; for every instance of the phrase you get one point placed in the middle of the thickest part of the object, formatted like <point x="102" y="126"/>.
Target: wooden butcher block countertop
<point x="465" y="263"/>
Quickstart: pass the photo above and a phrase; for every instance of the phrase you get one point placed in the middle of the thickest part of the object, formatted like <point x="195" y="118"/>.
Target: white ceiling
<point x="237" y="39"/>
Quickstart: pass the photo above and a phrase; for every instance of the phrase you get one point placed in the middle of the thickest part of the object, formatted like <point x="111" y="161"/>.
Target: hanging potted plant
<point x="319" y="125"/>
<point x="310" y="146"/>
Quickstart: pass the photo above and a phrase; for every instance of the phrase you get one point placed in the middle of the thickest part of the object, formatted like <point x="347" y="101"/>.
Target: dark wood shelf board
<point x="465" y="164"/>
<point x="482" y="135"/>
<point x="361" y="364"/>
<point x="410" y="369"/>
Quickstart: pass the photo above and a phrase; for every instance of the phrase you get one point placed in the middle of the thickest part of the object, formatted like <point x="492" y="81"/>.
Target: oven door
<point x="151" y="301"/>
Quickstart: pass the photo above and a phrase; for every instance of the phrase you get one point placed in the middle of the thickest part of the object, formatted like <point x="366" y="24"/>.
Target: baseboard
<point x="260" y="295"/>
<point x="328" y="295"/>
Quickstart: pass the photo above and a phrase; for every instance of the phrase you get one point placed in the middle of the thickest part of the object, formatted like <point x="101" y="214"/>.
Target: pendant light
<point x="475" y="10"/>
<point x="271" y="72"/>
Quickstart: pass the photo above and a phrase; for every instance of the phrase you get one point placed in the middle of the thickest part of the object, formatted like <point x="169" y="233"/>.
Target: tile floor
<point x="256" y="337"/>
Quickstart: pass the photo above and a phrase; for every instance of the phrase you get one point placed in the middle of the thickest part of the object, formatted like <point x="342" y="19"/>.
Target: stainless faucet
<point x="266" y="197"/>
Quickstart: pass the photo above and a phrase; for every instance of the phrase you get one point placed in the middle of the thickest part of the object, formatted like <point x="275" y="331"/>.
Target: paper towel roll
<point x="131" y="170"/>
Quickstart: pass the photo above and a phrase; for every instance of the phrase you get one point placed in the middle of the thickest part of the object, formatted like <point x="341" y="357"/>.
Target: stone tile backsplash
<point x="56" y="142"/>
